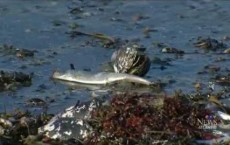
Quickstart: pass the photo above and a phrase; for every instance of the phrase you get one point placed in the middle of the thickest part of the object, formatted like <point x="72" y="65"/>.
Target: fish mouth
<point x="55" y="74"/>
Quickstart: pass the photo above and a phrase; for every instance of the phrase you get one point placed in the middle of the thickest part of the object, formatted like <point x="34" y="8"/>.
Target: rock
<point x="71" y="123"/>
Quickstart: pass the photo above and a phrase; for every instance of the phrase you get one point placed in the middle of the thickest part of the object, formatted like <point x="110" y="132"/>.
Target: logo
<point x="209" y="122"/>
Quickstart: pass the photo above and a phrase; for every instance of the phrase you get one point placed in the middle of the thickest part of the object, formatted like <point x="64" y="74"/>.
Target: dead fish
<point x="227" y="51"/>
<point x="101" y="78"/>
<point x="223" y="115"/>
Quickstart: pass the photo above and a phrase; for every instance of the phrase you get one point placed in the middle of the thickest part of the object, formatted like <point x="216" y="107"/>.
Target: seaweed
<point x="138" y="119"/>
<point x="21" y="124"/>
<point x="209" y="44"/>
<point x="125" y="119"/>
<point x="11" y="79"/>
<point x="12" y="50"/>
<point x="95" y="35"/>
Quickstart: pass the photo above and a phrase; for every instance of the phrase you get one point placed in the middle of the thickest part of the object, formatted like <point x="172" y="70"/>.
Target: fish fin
<point x="72" y="67"/>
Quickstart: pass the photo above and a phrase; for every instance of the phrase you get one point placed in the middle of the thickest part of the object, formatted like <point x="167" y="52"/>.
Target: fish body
<point x="101" y="78"/>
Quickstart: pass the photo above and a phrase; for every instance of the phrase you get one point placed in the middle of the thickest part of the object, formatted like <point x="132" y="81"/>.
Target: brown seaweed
<point x="136" y="119"/>
<point x="209" y="44"/>
<point x="12" y="50"/>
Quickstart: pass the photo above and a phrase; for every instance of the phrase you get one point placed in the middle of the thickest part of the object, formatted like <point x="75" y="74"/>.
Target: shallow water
<point x="42" y="26"/>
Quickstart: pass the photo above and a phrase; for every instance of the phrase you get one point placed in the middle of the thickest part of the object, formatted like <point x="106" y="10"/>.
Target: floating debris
<point x="11" y="79"/>
<point x="139" y="17"/>
<point x="36" y="102"/>
<point x="209" y="44"/>
<point x="11" y="50"/>
<point x="74" y="26"/>
<point x="172" y="50"/>
<point x="57" y="23"/>
<point x="157" y="60"/>
<point x="160" y="44"/>
<point x="76" y="10"/>
<point x="8" y="49"/>
<point x="212" y="68"/>
<point x="147" y="31"/>
<point x="22" y="53"/>
<point x="75" y="33"/>
<point x="104" y="41"/>
<point x="223" y="80"/>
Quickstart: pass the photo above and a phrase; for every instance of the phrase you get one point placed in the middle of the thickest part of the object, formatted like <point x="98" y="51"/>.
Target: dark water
<point x="42" y="26"/>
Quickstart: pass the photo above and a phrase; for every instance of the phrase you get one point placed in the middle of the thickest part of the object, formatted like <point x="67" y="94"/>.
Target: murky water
<point x="42" y="26"/>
